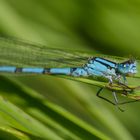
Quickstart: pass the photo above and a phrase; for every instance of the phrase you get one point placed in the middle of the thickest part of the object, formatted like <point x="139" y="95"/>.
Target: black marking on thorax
<point x="107" y="65"/>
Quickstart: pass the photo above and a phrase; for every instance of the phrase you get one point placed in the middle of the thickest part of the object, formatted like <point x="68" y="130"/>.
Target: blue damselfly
<point x="17" y="56"/>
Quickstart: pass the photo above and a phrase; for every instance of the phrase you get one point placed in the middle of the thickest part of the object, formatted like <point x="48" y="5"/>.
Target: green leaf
<point x="67" y="122"/>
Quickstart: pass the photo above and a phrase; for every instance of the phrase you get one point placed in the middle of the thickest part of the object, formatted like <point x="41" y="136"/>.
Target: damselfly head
<point x="128" y="67"/>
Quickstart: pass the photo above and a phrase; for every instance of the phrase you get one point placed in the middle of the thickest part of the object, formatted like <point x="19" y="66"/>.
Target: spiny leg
<point x="127" y="102"/>
<point x="107" y="100"/>
<point x="98" y="95"/>
<point x="111" y="83"/>
<point x="125" y="80"/>
<point x="116" y="101"/>
<point x="110" y="80"/>
<point x="119" y="83"/>
<point x="124" y="83"/>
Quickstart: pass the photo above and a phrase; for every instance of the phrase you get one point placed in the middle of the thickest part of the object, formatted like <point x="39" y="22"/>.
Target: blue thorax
<point x="100" y="67"/>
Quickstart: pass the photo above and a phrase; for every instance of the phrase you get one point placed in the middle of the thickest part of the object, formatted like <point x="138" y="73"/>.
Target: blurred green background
<point x="46" y="107"/>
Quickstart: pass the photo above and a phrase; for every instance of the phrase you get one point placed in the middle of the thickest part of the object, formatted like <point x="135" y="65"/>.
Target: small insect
<point x="20" y="57"/>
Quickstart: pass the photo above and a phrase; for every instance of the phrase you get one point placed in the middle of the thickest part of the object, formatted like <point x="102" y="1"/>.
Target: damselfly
<point x="17" y="56"/>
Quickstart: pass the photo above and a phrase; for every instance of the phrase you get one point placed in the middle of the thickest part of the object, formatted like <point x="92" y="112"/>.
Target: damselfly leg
<point x="116" y="103"/>
<point x="131" y="101"/>
<point x="98" y="95"/>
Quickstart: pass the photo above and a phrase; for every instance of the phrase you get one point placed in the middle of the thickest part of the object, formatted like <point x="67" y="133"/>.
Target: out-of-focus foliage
<point x="46" y="107"/>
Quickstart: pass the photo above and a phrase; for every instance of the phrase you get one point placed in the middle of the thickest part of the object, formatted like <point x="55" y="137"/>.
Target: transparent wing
<point x="22" y="53"/>
<point x="19" y="53"/>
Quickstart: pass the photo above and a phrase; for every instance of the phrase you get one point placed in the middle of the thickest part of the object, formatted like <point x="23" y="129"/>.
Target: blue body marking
<point x="96" y="66"/>
<point x="66" y="71"/>
<point x="7" y="69"/>
<point x="33" y="70"/>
